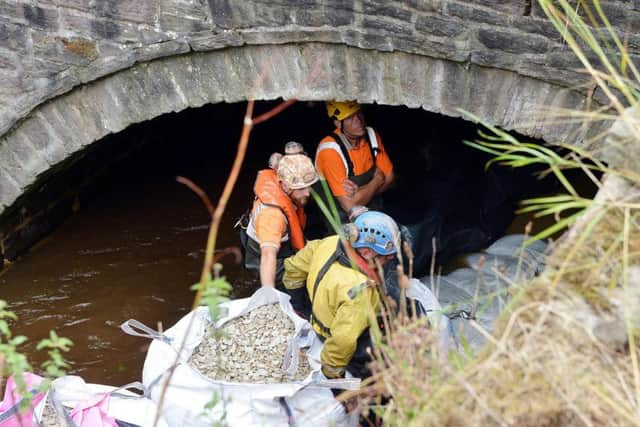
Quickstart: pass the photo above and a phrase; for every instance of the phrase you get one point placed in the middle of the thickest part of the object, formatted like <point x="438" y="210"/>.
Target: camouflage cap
<point x="297" y="171"/>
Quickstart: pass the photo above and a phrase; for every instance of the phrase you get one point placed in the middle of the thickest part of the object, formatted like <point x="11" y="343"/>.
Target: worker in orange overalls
<point x="273" y="230"/>
<point x="353" y="160"/>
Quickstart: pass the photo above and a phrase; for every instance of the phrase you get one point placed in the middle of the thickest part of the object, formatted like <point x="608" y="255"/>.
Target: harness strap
<point x="339" y="256"/>
<point x="342" y="146"/>
<point x="325" y="267"/>
<point x="323" y="328"/>
<point x="373" y="142"/>
<point x="335" y="256"/>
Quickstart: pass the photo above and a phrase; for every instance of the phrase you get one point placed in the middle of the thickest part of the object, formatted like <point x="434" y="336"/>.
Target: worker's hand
<point x="349" y="404"/>
<point x="350" y="187"/>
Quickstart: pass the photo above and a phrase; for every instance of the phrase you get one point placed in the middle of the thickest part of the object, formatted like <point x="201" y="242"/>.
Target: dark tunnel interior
<point x="441" y="183"/>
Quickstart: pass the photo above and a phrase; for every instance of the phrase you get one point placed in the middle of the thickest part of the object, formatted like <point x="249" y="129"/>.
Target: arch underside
<point x="65" y="125"/>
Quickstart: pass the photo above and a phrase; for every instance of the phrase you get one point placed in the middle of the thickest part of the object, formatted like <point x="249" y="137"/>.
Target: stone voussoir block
<point x="12" y="164"/>
<point x="28" y="162"/>
<point x="245" y="74"/>
<point x="205" y="79"/>
<point x="182" y="70"/>
<point x="40" y="134"/>
<point x="132" y="99"/>
<point x="9" y="189"/>
<point x="63" y="125"/>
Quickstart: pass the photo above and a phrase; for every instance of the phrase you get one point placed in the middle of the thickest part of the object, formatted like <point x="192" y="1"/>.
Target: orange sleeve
<point x="271" y="225"/>
<point x="331" y="167"/>
<point x="383" y="162"/>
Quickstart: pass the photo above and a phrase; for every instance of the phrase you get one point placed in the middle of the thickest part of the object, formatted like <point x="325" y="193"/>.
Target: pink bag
<point x="10" y="415"/>
<point x="92" y="412"/>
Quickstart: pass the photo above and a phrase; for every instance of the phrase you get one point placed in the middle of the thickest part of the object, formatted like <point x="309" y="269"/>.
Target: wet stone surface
<point x="251" y="349"/>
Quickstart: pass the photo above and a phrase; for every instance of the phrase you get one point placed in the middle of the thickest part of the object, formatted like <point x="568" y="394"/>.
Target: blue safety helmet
<point x="377" y="231"/>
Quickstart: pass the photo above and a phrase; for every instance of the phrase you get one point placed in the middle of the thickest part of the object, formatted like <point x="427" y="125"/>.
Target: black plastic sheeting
<point x="461" y="211"/>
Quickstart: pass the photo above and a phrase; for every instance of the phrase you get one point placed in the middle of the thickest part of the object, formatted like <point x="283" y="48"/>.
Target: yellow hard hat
<point x="297" y="171"/>
<point x="341" y="110"/>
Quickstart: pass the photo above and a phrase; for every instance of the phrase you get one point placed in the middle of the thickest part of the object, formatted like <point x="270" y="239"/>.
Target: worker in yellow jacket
<point x="341" y="285"/>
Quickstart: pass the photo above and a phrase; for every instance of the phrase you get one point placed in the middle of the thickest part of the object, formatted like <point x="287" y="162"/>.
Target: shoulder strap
<point x="344" y="151"/>
<point x="373" y="142"/>
<point x="325" y="267"/>
<point x="341" y="147"/>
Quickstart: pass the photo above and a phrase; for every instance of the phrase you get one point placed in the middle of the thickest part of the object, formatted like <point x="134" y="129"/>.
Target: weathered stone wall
<point x="74" y="71"/>
<point x="50" y="46"/>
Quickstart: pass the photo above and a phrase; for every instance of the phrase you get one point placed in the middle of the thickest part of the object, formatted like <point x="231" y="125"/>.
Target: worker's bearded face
<point x="300" y="196"/>
<point x="369" y="255"/>
<point x="354" y="125"/>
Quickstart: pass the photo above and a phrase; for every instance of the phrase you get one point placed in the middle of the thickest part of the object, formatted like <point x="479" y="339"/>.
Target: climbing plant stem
<point x="222" y="203"/>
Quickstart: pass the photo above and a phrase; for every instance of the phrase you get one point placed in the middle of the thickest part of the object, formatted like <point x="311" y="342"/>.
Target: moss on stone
<point x="80" y="46"/>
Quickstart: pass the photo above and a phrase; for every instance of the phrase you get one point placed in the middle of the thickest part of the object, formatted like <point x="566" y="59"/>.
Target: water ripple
<point x="192" y="228"/>
<point x="78" y="275"/>
<point x="75" y="322"/>
<point x="81" y="305"/>
<point x="99" y="251"/>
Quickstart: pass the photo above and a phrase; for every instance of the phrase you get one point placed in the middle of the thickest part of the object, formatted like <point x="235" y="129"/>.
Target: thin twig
<point x="199" y="191"/>
<point x="274" y="111"/>
<point x="222" y="204"/>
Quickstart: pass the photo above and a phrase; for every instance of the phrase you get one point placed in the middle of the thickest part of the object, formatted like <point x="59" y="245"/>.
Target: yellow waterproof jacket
<point x="343" y="303"/>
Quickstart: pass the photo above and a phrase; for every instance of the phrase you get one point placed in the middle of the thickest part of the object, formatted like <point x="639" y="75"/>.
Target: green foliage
<point x="330" y="212"/>
<point x="55" y="345"/>
<point x="596" y="38"/>
<point x="13" y="362"/>
<point x="212" y="403"/>
<point x="508" y="151"/>
<point x="215" y="291"/>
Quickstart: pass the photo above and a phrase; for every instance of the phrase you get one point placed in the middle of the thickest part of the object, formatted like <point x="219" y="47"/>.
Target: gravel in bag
<point x="251" y="349"/>
<point x="50" y="417"/>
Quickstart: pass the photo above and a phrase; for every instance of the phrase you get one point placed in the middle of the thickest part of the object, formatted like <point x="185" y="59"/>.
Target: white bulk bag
<point x="439" y="321"/>
<point x="308" y="402"/>
<point x="123" y="405"/>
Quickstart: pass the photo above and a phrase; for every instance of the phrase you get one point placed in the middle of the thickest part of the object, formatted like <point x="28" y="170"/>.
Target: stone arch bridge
<point x="74" y="71"/>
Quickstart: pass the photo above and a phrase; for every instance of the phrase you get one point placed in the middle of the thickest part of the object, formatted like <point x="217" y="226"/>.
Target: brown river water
<point x="133" y="254"/>
<point x="136" y="243"/>
<point x="134" y="249"/>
